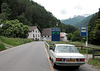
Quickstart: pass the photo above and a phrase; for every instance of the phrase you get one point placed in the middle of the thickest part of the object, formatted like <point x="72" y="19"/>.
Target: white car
<point x="66" y="55"/>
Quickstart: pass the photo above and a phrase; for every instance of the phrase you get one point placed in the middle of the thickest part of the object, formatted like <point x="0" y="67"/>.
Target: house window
<point x="33" y="35"/>
<point x="36" y="35"/>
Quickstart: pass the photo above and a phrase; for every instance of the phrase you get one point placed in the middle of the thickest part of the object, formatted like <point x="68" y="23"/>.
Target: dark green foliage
<point x="32" y="14"/>
<point x="1" y="31"/>
<point x="2" y="47"/>
<point x="94" y="29"/>
<point x="67" y="28"/>
<point x="70" y="29"/>
<point x="76" y="36"/>
<point x="23" y="19"/>
<point x="69" y="36"/>
<point x="1" y="1"/>
<point x="5" y="11"/>
<point x="14" y="28"/>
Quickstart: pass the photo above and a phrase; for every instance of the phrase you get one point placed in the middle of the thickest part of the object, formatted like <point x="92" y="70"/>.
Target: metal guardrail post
<point x="93" y="54"/>
<point x="81" y="47"/>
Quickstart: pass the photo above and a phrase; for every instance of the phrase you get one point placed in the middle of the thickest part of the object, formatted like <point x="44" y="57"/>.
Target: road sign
<point x="55" y="34"/>
<point x="83" y="31"/>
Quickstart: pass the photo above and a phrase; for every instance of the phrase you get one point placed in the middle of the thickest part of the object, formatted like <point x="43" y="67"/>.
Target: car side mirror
<point x="52" y="48"/>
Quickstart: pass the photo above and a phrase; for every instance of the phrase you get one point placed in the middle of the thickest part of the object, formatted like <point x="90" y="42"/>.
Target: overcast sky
<point x="63" y="9"/>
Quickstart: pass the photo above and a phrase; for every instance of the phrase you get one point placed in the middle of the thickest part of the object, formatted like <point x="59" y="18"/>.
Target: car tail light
<point x="82" y="59"/>
<point x="60" y="59"/>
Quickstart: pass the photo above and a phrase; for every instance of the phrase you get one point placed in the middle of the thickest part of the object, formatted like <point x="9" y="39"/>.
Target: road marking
<point x="51" y="67"/>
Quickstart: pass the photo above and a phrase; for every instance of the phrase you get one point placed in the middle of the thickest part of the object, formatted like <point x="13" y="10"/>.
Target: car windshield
<point x="66" y="49"/>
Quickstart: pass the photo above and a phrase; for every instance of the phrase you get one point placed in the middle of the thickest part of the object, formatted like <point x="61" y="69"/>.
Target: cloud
<point x="78" y="7"/>
<point x="63" y="11"/>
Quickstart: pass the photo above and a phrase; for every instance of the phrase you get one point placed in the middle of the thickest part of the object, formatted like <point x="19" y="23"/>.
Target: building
<point x="34" y="33"/>
<point x="46" y="34"/>
<point x="63" y="36"/>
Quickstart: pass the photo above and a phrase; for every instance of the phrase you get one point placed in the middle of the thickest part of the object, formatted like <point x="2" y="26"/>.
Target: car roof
<point x="64" y="45"/>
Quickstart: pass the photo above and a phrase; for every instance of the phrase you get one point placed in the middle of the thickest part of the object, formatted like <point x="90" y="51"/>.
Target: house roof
<point x="46" y="32"/>
<point x="31" y="28"/>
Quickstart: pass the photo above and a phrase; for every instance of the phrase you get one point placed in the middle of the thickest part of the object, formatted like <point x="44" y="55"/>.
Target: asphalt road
<point x="28" y="57"/>
<point x="32" y="57"/>
<point x="84" y="67"/>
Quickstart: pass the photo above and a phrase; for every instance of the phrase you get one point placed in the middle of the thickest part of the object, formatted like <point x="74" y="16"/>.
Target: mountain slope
<point x="84" y="22"/>
<point x="74" y="20"/>
<point x="78" y="21"/>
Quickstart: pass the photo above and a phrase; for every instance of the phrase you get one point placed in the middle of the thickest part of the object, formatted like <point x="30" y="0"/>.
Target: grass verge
<point x="2" y="47"/>
<point x="14" y="41"/>
<point x="95" y="62"/>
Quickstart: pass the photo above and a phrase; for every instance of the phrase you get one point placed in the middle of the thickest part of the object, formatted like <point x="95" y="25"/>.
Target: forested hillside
<point x="30" y="13"/>
<point x="94" y="29"/>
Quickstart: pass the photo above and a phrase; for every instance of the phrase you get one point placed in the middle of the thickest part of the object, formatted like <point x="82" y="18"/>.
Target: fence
<point x="94" y="50"/>
<point x="93" y="54"/>
<point x="91" y="50"/>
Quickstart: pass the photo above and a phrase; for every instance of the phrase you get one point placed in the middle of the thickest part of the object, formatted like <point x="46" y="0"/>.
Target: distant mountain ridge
<point x="74" y="20"/>
<point x="84" y="22"/>
<point x="77" y="21"/>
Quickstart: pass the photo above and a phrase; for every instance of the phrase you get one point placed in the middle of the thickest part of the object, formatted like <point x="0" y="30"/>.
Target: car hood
<point x="69" y="55"/>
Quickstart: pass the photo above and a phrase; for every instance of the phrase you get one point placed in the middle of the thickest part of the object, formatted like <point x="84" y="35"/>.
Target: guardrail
<point x="93" y="50"/>
<point x="47" y="45"/>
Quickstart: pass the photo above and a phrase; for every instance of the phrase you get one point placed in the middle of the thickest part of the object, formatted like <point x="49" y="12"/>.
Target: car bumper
<point x="69" y="64"/>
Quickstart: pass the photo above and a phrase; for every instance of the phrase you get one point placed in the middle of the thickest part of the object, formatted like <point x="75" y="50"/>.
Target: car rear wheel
<point x="49" y="57"/>
<point x="77" y="67"/>
<point x="54" y="65"/>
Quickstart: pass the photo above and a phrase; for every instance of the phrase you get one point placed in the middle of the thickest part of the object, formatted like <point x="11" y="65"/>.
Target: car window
<point x="66" y="49"/>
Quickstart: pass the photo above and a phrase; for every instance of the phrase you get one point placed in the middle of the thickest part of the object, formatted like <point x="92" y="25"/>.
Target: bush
<point x="2" y="47"/>
<point x="69" y="36"/>
<point x="76" y="36"/>
<point x="14" y="29"/>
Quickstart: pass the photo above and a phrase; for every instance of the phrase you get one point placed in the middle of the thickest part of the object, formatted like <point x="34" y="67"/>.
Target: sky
<point x="64" y="9"/>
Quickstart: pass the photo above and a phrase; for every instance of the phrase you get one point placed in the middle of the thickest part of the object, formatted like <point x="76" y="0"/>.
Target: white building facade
<point x="63" y="36"/>
<point x="34" y="33"/>
<point x="46" y="34"/>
